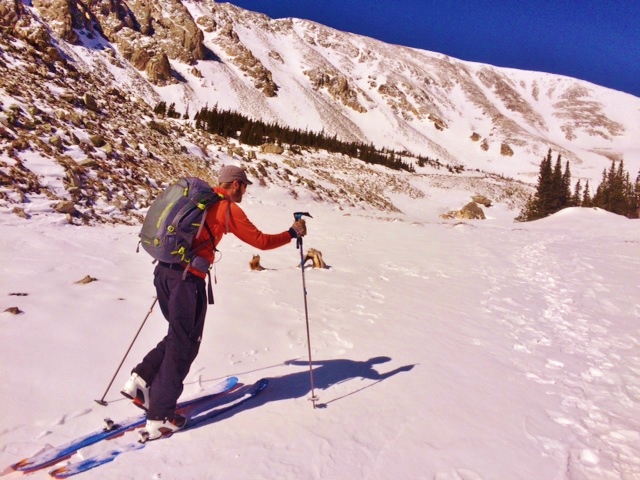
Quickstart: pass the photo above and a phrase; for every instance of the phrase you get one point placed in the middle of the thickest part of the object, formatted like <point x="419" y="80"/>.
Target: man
<point x="157" y="382"/>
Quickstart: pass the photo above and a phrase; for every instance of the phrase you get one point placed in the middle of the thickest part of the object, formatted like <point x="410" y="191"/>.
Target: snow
<point x="442" y="350"/>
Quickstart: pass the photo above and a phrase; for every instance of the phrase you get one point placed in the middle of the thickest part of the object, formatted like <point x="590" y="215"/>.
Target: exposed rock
<point x="10" y="13"/>
<point x="58" y="15"/>
<point x="90" y="102"/>
<point x="65" y="207"/>
<point x="97" y="140"/>
<point x="482" y="200"/>
<point x="235" y="150"/>
<point x="88" y="162"/>
<point x="56" y="141"/>
<point x="437" y="122"/>
<point x="21" y="213"/>
<point x="506" y="150"/>
<point x="159" y="71"/>
<point x="13" y="311"/>
<point x="86" y="279"/>
<point x="337" y="86"/>
<point x="245" y="60"/>
<point x="144" y="25"/>
<point x="271" y="148"/>
<point x="53" y="54"/>
<point x="471" y="211"/>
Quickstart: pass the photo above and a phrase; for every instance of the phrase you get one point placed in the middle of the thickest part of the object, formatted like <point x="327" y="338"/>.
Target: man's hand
<point x="299" y="227"/>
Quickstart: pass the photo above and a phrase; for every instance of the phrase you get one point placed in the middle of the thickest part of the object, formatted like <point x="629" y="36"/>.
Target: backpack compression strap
<point x="209" y="287"/>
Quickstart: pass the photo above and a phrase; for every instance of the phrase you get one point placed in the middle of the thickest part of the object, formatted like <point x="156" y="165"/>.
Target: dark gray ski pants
<point x="184" y="305"/>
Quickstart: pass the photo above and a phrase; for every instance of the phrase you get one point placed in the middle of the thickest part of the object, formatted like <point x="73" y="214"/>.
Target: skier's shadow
<point x="297" y="385"/>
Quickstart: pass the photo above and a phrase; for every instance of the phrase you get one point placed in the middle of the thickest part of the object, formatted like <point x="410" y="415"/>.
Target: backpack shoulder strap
<point x="228" y="216"/>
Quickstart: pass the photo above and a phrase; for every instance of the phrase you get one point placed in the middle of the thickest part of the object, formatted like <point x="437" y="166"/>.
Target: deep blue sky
<point x="594" y="40"/>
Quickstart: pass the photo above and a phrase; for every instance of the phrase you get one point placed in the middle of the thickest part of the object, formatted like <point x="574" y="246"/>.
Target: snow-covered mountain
<point x="95" y="71"/>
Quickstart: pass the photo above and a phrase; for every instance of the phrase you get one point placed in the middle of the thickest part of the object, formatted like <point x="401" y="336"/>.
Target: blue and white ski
<point x="194" y="418"/>
<point x="54" y="455"/>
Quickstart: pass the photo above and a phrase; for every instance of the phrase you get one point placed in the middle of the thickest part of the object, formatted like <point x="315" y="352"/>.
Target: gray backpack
<point x="175" y="218"/>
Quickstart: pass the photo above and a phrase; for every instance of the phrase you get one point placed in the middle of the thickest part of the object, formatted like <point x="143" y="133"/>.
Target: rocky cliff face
<point x="147" y="33"/>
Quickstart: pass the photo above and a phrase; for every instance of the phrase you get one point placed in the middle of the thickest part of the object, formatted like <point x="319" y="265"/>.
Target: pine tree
<point x="636" y="197"/>
<point x="553" y="192"/>
<point x="555" y="203"/>
<point x="160" y="109"/>
<point x="171" y="112"/>
<point x="566" y="200"/>
<point x="545" y="192"/>
<point x="616" y="193"/>
<point x="576" y="200"/>
<point x="586" y="198"/>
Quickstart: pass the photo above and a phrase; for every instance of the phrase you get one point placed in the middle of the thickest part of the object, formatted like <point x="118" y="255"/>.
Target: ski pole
<point x="102" y="401"/>
<point x="298" y="216"/>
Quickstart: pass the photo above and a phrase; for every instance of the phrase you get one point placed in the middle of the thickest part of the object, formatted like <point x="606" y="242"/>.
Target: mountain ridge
<point x="98" y="69"/>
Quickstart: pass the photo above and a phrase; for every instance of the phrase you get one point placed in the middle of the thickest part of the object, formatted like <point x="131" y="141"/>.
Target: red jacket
<point x="227" y="217"/>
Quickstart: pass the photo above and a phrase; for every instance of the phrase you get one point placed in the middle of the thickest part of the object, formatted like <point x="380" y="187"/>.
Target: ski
<point x="195" y="418"/>
<point x="54" y="455"/>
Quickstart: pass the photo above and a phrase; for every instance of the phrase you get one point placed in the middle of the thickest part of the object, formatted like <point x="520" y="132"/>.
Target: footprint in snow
<point x="459" y="474"/>
<point x="43" y="434"/>
<point x="468" y="475"/>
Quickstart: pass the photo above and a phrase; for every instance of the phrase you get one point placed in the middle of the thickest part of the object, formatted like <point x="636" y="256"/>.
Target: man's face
<point x="237" y="191"/>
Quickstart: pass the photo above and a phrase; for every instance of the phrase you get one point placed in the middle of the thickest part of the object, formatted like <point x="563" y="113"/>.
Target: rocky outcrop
<point x="15" y="20"/>
<point x="271" y="148"/>
<point x="148" y="33"/>
<point x="64" y="16"/>
<point x="10" y="13"/>
<point x="482" y="200"/>
<point x="337" y="85"/>
<point x="244" y="59"/>
<point x="471" y="211"/>
<point x="506" y="150"/>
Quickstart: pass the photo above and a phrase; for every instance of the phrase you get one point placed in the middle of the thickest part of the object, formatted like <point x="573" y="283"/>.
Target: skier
<point x="157" y="382"/>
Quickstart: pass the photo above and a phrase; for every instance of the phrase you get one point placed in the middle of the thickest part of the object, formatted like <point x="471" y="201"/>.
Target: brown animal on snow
<point x="316" y="257"/>
<point x="255" y="263"/>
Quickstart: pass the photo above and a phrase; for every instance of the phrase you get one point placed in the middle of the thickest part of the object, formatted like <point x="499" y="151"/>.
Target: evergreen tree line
<point x="162" y="110"/>
<point x="616" y="192"/>
<point x="256" y="132"/>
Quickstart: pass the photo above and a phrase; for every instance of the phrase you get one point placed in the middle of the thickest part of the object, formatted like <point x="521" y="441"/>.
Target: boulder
<point x="471" y="211"/>
<point x="271" y="148"/>
<point x="482" y="200"/>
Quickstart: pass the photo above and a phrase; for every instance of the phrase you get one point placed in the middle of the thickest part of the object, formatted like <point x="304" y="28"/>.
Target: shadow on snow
<point x="326" y="373"/>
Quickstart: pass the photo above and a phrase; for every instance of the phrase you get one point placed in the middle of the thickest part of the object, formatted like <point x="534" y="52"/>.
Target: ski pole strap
<point x="213" y="243"/>
<point x="209" y="289"/>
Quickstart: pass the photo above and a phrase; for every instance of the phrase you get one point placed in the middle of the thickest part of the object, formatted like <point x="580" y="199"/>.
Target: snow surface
<point x="477" y="350"/>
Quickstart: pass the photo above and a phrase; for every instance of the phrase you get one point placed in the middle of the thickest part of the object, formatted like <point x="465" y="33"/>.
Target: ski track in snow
<point x="572" y="326"/>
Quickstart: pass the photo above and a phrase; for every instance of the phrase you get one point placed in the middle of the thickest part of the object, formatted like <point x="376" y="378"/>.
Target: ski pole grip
<point x="299" y="215"/>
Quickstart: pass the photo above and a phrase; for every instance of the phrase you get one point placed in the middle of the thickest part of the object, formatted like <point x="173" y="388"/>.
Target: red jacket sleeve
<point x="232" y="219"/>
